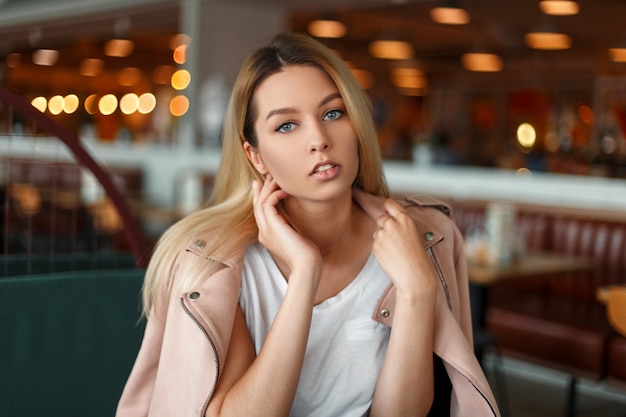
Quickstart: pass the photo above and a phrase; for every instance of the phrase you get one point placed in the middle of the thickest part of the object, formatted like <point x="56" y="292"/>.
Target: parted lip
<point x="319" y="164"/>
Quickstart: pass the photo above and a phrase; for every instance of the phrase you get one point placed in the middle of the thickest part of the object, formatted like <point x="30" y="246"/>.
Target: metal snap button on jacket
<point x="384" y="312"/>
<point x="200" y="243"/>
<point x="194" y="295"/>
<point x="429" y="235"/>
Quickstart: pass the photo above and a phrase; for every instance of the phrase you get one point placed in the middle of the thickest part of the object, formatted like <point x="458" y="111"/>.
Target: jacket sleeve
<point x="137" y="395"/>
<point x="465" y="312"/>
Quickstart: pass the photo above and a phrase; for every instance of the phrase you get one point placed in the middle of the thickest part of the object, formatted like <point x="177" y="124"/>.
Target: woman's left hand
<point x="400" y="252"/>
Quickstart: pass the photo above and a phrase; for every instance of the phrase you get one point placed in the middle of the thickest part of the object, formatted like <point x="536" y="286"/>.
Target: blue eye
<point x="285" y="127"/>
<point x="333" y="115"/>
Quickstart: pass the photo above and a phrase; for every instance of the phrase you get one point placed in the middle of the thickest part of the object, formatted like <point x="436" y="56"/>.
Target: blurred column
<point x="190" y="25"/>
<point x="223" y="34"/>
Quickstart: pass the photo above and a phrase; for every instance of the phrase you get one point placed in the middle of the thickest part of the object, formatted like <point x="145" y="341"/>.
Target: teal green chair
<point x="68" y="341"/>
<point x="27" y="264"/>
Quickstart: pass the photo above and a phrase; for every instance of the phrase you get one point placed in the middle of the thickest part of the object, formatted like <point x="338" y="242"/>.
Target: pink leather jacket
<point x="183" y="350"/>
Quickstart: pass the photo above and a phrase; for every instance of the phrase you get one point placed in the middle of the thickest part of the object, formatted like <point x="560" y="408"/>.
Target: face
<point x="305" y="137"/>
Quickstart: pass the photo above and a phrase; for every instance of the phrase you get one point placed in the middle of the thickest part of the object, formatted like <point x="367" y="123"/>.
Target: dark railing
<point x="15" y="104"/>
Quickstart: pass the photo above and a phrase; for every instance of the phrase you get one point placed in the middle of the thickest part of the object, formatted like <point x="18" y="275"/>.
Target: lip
<point x="319" y="164"/>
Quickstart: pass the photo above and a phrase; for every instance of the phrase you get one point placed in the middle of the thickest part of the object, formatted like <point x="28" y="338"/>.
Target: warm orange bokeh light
<point x="179" y="105"/>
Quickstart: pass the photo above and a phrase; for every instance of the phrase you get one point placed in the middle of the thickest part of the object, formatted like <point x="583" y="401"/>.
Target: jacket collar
<point x="373" y="206"/>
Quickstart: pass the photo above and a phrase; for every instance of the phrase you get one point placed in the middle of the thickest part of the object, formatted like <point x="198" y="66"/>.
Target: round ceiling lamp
<point x="391" y="49"/>
<point x="450" y="13"/>
<point x="327" y="28"/>
<point x="482" y="62"/>
<point x="617" y="54"/>
<point x="548" y="40"/>
<point x="559" y="7"/>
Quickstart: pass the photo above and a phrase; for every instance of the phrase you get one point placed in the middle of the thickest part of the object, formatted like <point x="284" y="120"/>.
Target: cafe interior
<point x="513" y="113"/>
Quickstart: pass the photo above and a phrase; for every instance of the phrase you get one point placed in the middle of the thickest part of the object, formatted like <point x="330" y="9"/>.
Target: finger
<point x="265" y="192"/>
<point x="275" y="194"/>
<point x="393" y="208"/>
<point x="255" y="191"/>
<point x="380" y="222"/>
<point x="269" y="185"/>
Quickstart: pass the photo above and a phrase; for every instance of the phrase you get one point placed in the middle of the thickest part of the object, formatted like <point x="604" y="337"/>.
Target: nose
<point x="318" y="139"/>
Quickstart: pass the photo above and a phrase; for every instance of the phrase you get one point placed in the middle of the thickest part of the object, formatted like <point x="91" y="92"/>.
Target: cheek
<point x="279" y="163"/>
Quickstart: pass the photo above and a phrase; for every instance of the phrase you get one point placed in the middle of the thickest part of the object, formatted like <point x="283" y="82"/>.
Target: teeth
<point x="323" y="168"/>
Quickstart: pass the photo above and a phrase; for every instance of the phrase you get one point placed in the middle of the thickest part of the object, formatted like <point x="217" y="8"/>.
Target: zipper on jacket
<point x="217" y="359"/>
<point x="444" y="284"/>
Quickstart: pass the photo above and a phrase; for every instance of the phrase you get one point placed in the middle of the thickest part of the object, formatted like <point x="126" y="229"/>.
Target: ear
<point x="254" y="157"/>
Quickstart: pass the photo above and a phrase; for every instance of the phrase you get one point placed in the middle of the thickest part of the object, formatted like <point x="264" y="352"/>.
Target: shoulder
<point x="431" y="212"/>
<point x="428" y="202"/>
<point x="209" y="246"/>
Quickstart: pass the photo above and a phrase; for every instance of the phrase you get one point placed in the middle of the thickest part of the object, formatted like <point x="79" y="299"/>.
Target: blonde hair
<point x="229" y="215"/>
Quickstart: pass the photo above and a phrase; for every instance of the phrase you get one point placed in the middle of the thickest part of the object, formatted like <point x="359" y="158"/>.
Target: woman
<point x="279" y="298"/>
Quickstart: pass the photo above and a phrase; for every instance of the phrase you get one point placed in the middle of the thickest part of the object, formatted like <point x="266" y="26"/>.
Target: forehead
<point x="292" y="84"/>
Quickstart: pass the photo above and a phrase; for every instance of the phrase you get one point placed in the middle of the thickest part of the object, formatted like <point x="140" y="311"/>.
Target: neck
<point x="330" y="225"/>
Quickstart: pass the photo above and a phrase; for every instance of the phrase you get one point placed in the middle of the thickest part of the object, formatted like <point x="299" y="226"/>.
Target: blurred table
<point x="527" y="265"/>
<point x="482" y="277"/>
<point x="602" y="293"/>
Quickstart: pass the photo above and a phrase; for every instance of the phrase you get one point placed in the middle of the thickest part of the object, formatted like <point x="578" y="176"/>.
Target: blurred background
<point x="477" y="102"/>
<point x="512" y="84"/>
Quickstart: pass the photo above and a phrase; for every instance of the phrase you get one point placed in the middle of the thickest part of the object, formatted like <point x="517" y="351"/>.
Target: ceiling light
<point x="449" y="15"/>
<point x="180" y="54"/>
<point x="548" y="40"/>
<point x="406" y="72"/>
<point x="147" y="103"/>
<point x="107" y="104"/>
<point x="390" y="49"/>
<point x="90" y="67"/>
<point x="55" y="105"/>
<point x="327" y="28"/>
<point x="617" y="54"/>
<point x="46" y="57"/>
<point x="119" y="47"/>
<point x="40" y="103"/>
<point x="129" y="76"/>
<point x="13" y="60"/>
<point x="559" y="7"/>
<point x="179" y="105"/>
<point x="70" y="103"/>
<point x="180" y="79"/>
<point x="412" y="78"/>
<point x="91" y="104"/>
<point x="129" y="103"/>
<point x="482" y="62"/>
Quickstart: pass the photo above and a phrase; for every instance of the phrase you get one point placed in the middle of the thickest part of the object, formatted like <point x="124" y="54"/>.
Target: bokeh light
<point x="55" y="105"/>
<point x="147" y="103"/>
<point x="181" y="79"/>
<point x="179" y="105"/>
<point x="107" y="104"/>
<point x="129" y="103"/>
<point x="526" y="135"/>
<point x="91" y="104"/>
<point x="40" y="103"/>
<point x="70" y="103"/>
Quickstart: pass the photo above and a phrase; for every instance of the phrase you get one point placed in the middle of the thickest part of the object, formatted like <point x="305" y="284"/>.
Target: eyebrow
<point x="289" y="110"/>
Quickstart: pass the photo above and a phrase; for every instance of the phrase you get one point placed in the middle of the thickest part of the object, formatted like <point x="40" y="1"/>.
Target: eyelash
<point x="283" y="125"/>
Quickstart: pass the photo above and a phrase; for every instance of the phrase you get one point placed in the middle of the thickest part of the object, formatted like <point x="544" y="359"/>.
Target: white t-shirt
<point x="346" y="347"/>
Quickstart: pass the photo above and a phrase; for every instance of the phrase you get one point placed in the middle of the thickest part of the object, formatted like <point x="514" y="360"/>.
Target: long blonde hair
<point x="229" y="215"/>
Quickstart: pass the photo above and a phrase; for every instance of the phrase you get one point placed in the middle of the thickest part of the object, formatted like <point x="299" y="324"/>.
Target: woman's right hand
<point x="285" y="244"/>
